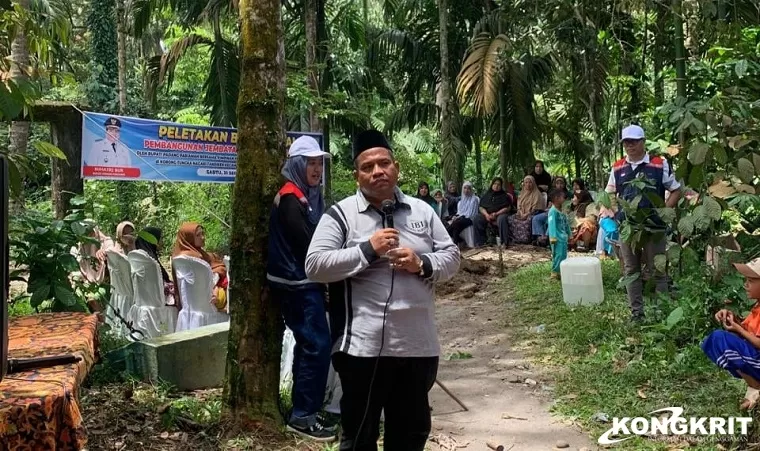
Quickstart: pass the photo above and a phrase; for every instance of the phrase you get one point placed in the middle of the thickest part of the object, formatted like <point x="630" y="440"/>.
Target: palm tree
<point x="46" y="24"/>
<point x="453" y="150"/>
<point x="19" y="131"/>
<point x="222" y="83"/>
<point x="500" y="75"/>
<point x="419" y="53"/>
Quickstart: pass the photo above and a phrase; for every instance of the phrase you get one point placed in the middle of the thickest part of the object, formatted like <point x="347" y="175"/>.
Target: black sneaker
<point x="329" y="421"/>
<point x="317" y="432"/>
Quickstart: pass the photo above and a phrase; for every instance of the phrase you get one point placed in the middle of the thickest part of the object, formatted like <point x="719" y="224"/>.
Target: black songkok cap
<point x="369" y="139"/>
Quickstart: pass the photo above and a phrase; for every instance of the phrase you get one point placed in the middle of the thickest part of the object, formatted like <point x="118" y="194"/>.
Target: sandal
<point x="750" y="399"/>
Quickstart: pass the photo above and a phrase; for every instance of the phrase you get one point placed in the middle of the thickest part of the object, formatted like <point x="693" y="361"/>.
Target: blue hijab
<point x="295" y="171"/>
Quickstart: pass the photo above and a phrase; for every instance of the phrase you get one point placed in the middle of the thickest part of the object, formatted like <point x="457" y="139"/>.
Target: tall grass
<point x="604" y="364"/>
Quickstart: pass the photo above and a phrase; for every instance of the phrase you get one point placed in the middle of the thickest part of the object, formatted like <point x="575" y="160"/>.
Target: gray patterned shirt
<point x="360" y="281"/>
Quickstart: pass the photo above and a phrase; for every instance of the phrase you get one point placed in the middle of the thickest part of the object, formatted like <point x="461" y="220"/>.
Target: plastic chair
<point x="195" y="284"/>
<point x="122" y="294"/>
<point x="286" y="360"/>
<point x="150" y="314"/>
<point x="468" y="235"/>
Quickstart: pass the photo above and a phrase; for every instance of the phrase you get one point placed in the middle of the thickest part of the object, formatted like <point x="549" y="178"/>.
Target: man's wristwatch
<point x="422" y="269"/>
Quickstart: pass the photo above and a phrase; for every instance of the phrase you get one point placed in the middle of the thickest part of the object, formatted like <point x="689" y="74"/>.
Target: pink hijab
<point x="93" y="270"/>
<point x="120" y="245"/>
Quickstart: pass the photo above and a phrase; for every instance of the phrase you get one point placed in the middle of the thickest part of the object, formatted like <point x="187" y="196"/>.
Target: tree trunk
<point x="19" y="130"/>
<point x="503" y="160"/>
<point x="450" y="158"/>
<point x="66" y="134"/>
<point x="592" y="104"/>
<point x="251" y="390"/>
<point x="312" y="71"/>
<point x="101" y="89"/>
<point x="577" y="159"/>
<point x="676" y="7"/>
<point x="503" y="163"/>
<point x="123" y="188"/>
<point x="660" y="37"/>
<point x="325" y="80"/>
<point x="477" y="142"/>
<point x="121" y="30"/>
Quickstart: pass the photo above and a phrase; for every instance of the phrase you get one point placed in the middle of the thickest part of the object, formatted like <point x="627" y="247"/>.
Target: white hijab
<point x="468" y="205"/>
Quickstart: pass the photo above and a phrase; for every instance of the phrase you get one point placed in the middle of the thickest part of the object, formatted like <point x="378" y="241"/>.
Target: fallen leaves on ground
<point x="447" y="443"/>
<point x="117" y="423"/>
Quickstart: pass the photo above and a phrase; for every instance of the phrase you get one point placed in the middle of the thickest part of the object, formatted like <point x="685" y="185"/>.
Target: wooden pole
<point x="448" y="392"/>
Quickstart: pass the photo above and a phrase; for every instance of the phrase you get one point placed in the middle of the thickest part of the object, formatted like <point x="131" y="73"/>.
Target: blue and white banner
<point x="128" y="148"/>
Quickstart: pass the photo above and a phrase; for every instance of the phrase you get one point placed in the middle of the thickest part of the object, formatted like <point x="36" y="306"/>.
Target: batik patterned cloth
<point x="39" y="409"/>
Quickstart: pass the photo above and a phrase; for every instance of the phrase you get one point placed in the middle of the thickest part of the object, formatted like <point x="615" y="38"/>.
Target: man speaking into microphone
<point x="381" y="251"/>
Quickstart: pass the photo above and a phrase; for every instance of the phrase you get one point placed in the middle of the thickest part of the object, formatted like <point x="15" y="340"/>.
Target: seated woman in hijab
<point x="452" y="197"/>
<point x="495" y="206"/>
<point x="586" y="229"/>
<point x="153" y="251"/>
<point x="579" y="185"/>
<point x="541" y="178"/>
<point x="92" y="260"/>
<point x="125" y="238"/>
<point x="423" y="194"/>
<point x="529" y="202"/>
<point x="441" y="205"/>
<point x="467" y="210"/>
<point x="191" y="239"/>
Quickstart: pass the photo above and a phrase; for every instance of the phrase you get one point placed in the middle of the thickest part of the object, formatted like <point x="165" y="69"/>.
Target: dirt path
<point x="508" y="399"/>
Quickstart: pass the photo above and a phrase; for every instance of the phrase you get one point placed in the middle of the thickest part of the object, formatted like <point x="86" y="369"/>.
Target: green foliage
<point x="203" y="412"/>
<point x="107" y="371"/>
<point x="41" y="248"/>
<point x="688" y="316"/>
<point x="163" y="205"/>
<point x="459" y="356"/>
<point x="20" y="307"/>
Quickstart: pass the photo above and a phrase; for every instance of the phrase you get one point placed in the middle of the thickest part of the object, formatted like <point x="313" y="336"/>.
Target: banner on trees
<point x="129" y="148"/>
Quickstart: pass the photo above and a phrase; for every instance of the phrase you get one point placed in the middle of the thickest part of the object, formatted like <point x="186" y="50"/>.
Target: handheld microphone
<point x="387" y="207"/>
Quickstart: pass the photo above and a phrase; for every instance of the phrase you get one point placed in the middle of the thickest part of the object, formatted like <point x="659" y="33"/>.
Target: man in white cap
<point x="637" y="164"/>
<point x="297" y="209"/>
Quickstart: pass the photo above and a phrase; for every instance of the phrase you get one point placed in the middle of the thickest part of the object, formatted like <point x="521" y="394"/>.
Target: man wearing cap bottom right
<point x="638" y="163"/>
<point x="737" y="347"/>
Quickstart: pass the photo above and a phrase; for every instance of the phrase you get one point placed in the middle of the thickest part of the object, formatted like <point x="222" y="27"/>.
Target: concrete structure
<point x="190" y="360"/>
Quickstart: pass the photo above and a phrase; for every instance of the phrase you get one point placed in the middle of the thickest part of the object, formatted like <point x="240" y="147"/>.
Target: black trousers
<point x="400" y="389"/>
<point x="457" y="227"/>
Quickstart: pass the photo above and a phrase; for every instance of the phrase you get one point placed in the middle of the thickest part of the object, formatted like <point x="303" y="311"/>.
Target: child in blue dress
<point x="559" y="230"/>
<point x="737" y="347"/>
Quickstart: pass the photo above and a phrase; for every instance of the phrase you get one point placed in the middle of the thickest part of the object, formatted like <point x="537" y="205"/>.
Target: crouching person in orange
<point x="737" y="347"/>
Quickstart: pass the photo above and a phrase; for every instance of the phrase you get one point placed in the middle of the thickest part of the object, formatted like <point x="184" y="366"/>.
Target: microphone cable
<point x="387" y="215"/>
<point x="377" y="362"/>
